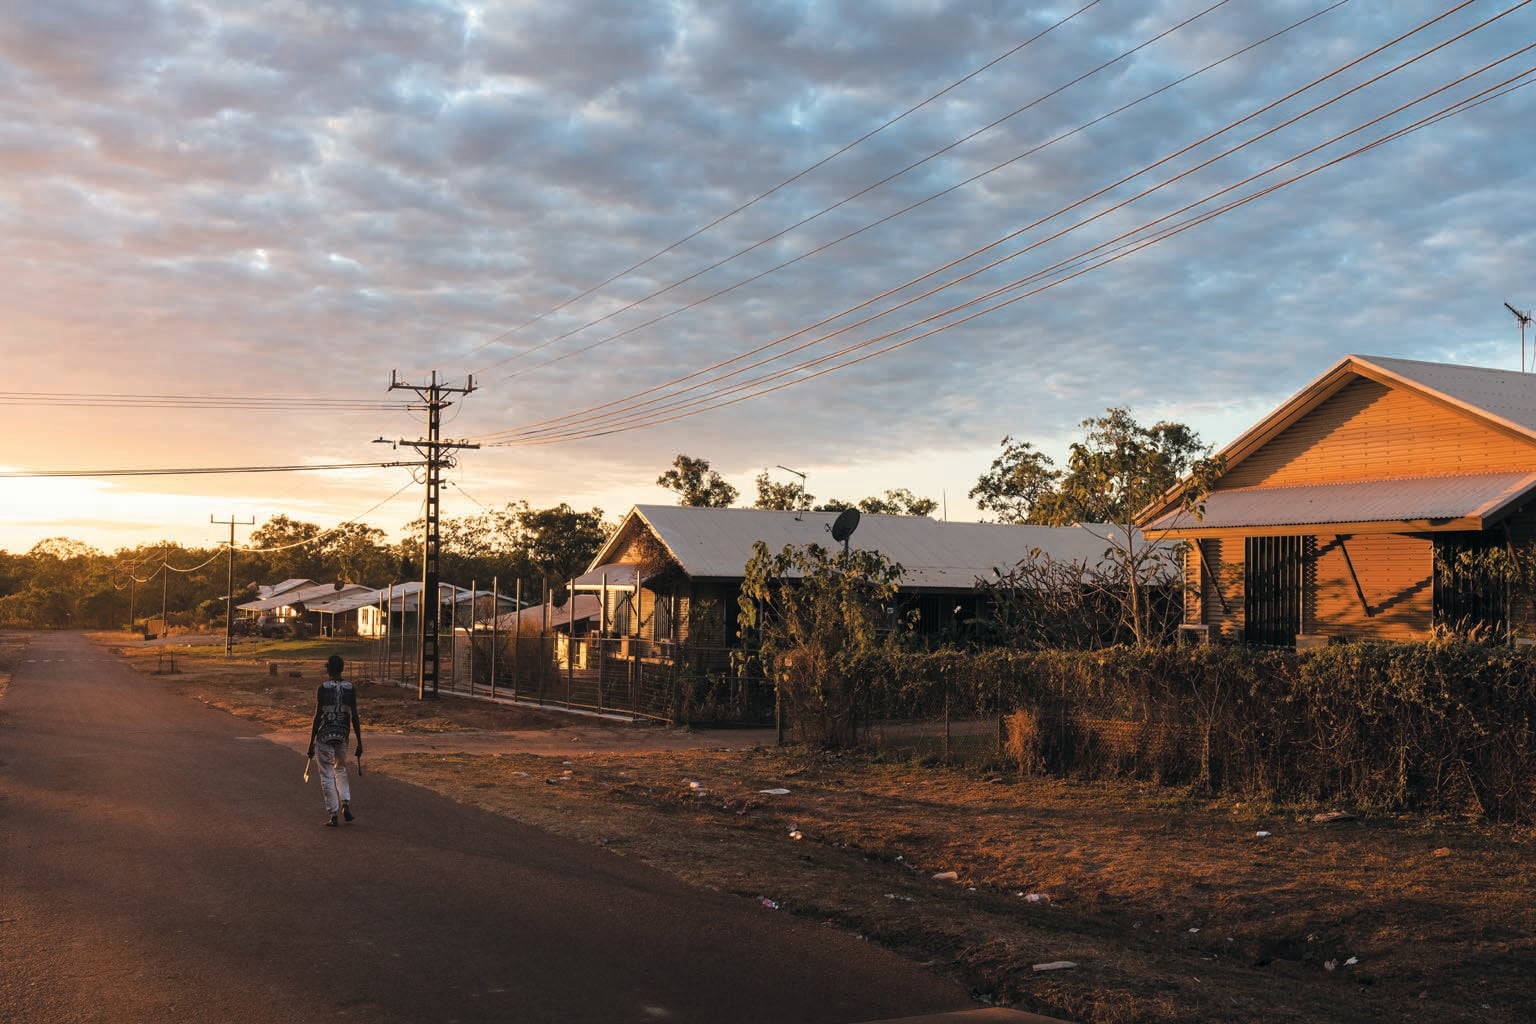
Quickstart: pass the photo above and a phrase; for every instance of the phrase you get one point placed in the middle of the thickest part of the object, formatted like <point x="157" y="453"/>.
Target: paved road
<point x="163" y="862"/>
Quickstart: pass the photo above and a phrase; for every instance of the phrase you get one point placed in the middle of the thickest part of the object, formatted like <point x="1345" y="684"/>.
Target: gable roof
<point x="307" y="594"/>
<point x="264" y="592"/>
<point x="1504" y="400"/>
<point x="714" y="544"/>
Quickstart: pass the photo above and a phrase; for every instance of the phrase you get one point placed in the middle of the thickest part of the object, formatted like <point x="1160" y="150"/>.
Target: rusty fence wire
<point x="660" y="680"/>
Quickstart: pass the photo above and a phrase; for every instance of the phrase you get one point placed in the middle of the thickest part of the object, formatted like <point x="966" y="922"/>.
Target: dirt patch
<point x="1170" y="906"/>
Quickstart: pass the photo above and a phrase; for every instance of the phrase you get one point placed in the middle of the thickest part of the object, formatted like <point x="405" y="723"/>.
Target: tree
<point x="360" y="553"/>
<point x="817" y="617"/>
<point x="290" y="549"/>
<point x="1016" y="481"/>
<point x="1119" y="468"/>
<point x="1115" y="471"/>
<point x="790" y="497"/>
<point x="696" y="484"/>
<point x="515" y="543"/>
<point x="900" y="502"/>
<point x="561" y="541"/>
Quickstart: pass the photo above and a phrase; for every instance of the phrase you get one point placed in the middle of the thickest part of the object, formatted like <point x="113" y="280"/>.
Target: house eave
<point x="1459" y="524"/>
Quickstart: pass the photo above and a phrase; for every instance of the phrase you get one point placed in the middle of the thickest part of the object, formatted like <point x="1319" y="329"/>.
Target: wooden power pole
<point x="434" y="450"/>
<point x="229" y="599"/>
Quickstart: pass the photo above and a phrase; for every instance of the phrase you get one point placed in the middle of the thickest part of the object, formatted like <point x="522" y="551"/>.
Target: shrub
<point x="1441" y="727"/>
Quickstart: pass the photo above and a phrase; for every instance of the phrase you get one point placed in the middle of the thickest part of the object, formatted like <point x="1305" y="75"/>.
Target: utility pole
<point x="434" y="450"/>
<point x="229" y="600"/>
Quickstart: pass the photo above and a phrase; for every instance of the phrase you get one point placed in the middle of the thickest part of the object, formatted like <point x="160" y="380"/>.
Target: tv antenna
<point x="1524" y="319"/>
<point x="796" y="472"/>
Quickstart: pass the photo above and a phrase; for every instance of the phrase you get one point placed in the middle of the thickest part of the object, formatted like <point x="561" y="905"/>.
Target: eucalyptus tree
<point x="696" y="484"/>
<point x="1116" y="470"/>
<point x="897" y="502"/>
<point x="790" y="497"/>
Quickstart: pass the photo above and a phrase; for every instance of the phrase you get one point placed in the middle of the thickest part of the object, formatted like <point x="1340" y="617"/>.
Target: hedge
<point x="1433" y="727"/>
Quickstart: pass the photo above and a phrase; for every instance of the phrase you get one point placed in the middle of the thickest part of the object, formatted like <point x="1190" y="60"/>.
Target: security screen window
<point x="1274" y="578"/>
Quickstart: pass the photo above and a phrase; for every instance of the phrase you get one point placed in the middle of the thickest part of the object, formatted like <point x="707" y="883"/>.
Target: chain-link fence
<point x="655" y="679"/>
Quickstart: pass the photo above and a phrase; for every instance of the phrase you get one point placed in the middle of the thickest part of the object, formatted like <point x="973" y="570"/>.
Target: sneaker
<point x="346" y="812"/>
<point x="330" y="822"/>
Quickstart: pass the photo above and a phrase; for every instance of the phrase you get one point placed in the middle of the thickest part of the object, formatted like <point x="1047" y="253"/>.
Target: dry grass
<point x="1172" y="908"/>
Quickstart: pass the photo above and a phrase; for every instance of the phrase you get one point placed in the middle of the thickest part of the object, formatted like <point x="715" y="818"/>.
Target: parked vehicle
<point x="271" y="626"/>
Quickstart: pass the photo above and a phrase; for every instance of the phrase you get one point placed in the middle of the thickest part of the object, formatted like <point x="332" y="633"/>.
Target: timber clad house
<point x="1341" y="514"/>
<point x="652" y="623"/>
<point x="671" y="574"/>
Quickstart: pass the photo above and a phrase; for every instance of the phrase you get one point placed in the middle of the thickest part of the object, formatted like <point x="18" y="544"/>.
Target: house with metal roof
<point x="672" y="572"/>
<point x="264" y="591"/>
<point x="351" y="609"/>
<point x="395" y="609"/>
<point x="301" y="601"/>
<point x="1359" y="508"/>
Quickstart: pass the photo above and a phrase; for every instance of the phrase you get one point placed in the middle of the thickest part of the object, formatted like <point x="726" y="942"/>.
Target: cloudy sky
<point x="861" y="240"/>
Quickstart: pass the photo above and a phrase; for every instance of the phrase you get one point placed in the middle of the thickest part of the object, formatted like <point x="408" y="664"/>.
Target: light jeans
<point x="332" y="759"/>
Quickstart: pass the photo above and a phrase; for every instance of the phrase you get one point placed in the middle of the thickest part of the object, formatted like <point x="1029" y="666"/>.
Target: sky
<point x="860" y="241"/>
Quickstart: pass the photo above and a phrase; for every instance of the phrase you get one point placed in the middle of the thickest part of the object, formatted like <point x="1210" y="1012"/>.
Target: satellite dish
<point x="842" y="528"/>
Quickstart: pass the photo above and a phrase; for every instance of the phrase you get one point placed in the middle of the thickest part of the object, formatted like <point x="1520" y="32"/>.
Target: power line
<point x="109" y="400"/>
<point x="901" y="212"/>
<point x="326" y="533"/>
<point x="632" y="405"/>
<point x="716" y="401"/>
<point x="788" y="181"/>
<point x="1503" y="88"/>
<point x="22" y="475"/>
<point x="842" y="202"/>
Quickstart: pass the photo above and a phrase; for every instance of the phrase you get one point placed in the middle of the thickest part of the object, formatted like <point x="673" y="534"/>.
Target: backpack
<point x="336" y="701"/>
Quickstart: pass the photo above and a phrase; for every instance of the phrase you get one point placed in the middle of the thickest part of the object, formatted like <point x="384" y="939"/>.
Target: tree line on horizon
<point x="1114" y="470"/>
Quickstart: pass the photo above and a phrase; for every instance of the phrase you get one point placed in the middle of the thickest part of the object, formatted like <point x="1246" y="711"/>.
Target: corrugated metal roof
<point x="280" y="588"/>
<point x="1416" y="499"/>
<point x="715" y="544"/>
<point x="324" y="597"/>
<point x="1508" y="396"/>
<point x="585" y="606"/>
<point x="349" y="599"/>
<point x="1505" y="397"/>
<point x="313" y="592"/>
<point x="617" y="575"/>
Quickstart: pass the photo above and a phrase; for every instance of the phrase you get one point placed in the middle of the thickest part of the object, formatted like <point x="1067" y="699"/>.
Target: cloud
<point x="215" y="198"/>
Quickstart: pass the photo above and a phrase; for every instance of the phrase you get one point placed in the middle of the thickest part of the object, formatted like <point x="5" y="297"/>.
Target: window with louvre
<point x="1275" y="573"/>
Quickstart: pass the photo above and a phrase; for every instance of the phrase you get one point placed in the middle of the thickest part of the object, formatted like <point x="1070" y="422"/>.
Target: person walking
<point x="335" y="716"/>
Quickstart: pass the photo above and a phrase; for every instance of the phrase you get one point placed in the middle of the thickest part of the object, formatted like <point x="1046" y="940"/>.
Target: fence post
<point x="495" y="634"/>
<point x="453" y="641"/>
<point x="1002" y="738"/>
<point x="602" y="635"/>
<point x="544" y="659"/>
<point x="946" y="716"/>
<point x="517" y="634"/>
<point x="570" y="643"/>
<point x="778" y="715"/>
